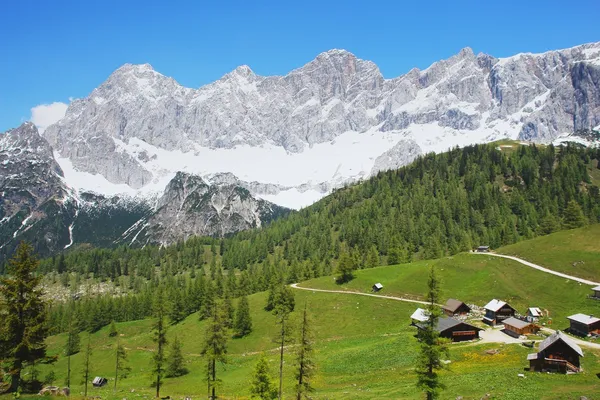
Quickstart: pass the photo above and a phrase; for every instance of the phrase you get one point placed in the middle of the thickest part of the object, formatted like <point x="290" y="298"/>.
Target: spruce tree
<point x="215" y="349"/>
<point x="243" y="320"/>
<point x="573" y="216"/>
<point x="305" y="363"/>
<point x="112" y="331"/>
<point x="177" y="313"/>
<point x="345" y="268"/>
<point x="262" y="386"/>
<point x="175" y="361"/>
<point x="432" y="346"/>
<point x="160" y="338"/>
<point x="372" y="258"/>
<point x="23" y="315"/>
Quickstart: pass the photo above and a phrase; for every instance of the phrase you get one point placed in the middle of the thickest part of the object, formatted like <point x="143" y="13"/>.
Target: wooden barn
<point x="497" y="311"/>
<point x="455" y="330"/>
<point x="596" y="294"/>
<point x="556" y="353"/>
<point x="455" y="307"/>
<point x="516" y="327"/>
<point x="581" y="324"/>
<point x="483" y="249"/>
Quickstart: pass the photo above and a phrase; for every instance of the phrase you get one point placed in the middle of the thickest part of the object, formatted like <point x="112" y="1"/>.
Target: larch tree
<point x="23" y="315"/>
<point x="284" y="305"/>
<point x="262" y="386"/>
<point x="304" y="361"/>
<point x="122" y="369"/>
<point x="160" y="338"/>
<point x="85" y="371"/>
<point x="432" y="347"/>
<point x="215" y="349"/>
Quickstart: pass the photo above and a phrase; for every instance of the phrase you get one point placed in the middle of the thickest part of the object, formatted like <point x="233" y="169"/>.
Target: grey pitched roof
<point x="449" y="322"/>
<point x="453" y="305"/>
<point x="517" y="323"/>
<point x="583" y="319"/>
<point x="495" y="305"/>
<point x="555" y="337"/>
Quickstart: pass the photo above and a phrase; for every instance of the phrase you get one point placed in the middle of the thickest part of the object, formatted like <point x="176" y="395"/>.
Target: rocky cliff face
<point x="134" y="128"/>
<point x="190" y="206"/>
<point x="38" y="205"/>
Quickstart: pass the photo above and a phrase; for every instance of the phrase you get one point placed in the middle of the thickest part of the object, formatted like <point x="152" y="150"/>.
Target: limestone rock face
<point x="133" y="128"/>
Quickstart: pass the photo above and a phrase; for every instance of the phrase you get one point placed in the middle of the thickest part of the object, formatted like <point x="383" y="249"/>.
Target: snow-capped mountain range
<point x="143" y="159"/>
<point x="336" y="119"/>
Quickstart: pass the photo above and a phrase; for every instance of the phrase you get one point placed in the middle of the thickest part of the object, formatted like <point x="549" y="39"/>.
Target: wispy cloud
<point x="45" y="115"/>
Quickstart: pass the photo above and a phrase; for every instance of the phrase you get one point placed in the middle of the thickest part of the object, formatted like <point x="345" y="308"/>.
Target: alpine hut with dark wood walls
<point x="455" y="307"/>
<point x="557" y="352"/>
<point x="497" y="311"/>
<point x="455" y="330"/>
<point x="583" y="325"/>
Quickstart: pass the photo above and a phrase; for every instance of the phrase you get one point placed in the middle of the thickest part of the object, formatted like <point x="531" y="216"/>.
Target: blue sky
<point x="51" y="51"/>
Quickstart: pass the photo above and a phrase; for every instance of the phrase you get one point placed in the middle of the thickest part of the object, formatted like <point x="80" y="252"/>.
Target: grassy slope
<point x="365" y="348"/>
<point x="477" y="279"/>
<point x="560" y="250"/>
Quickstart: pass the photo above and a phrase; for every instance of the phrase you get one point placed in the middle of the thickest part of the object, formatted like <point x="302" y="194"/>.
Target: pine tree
<point x="177" y="312"/>
<point x="72" y="346"/>
<point x="573" y="216"/>
<point x="160" y="338"/>
<point x="432" y="347"/>
<point x="208" y="301"/>
<point x="121" y="368"/>
<point x="86" y="364"/>
<point x="23" y="315"/>
<point x="215" y="349"/>
<point x="112" y="332"/>
<point x="243" y="320"/>
<point x="229" y="311"/>
<point x="262" y="386"/>
<point x="304" y="359"/>
<point x="175" y="361"/>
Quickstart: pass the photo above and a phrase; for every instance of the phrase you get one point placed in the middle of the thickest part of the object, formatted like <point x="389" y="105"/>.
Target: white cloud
<point x="45" y="115"/>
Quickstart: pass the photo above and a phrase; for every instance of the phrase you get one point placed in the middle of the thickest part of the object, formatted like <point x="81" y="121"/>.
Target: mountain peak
<point x="135" y="68"/>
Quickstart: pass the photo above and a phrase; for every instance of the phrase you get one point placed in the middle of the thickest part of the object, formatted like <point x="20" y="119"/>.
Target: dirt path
<point x="295" y="286"/>
<point x="540" y="268"/>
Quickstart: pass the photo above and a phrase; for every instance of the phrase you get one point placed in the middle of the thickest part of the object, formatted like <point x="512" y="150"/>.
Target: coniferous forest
<point x="441" y="204"/>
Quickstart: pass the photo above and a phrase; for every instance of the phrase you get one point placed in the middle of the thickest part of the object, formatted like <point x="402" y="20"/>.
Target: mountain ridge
<point x="140" y="127"/>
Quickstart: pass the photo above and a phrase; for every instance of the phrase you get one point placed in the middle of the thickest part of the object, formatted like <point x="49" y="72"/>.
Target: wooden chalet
<point x="455" y="330"/>
<point x="377" y="287"/>
<point x="534" y="314"/>
<point x="596" y="294"/>
<point x="558" y="353"/>
<point x="516" y="327"/>
<point x="497" y="311"/>
<point x="483" y="249"/>
<point x="582" y="324"/>
<point x="99" y="381"/>
<point x="455" y="307"/>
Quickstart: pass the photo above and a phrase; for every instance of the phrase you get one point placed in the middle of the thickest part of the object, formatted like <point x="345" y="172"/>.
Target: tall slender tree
<point x="215" y="349"/>
<point x="304" y="360"/>
<point x="432" y="347"/>
<point x="73" y="342"/>
<point x="160" y="338"/>
<point x="86" y="365"/>
<point x="23" y="315"/>
<point x="121" y="367"/>
<point x="284" y="304"/>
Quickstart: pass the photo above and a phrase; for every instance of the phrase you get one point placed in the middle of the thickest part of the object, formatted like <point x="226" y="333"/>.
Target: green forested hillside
<point x="439" y="205"/>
